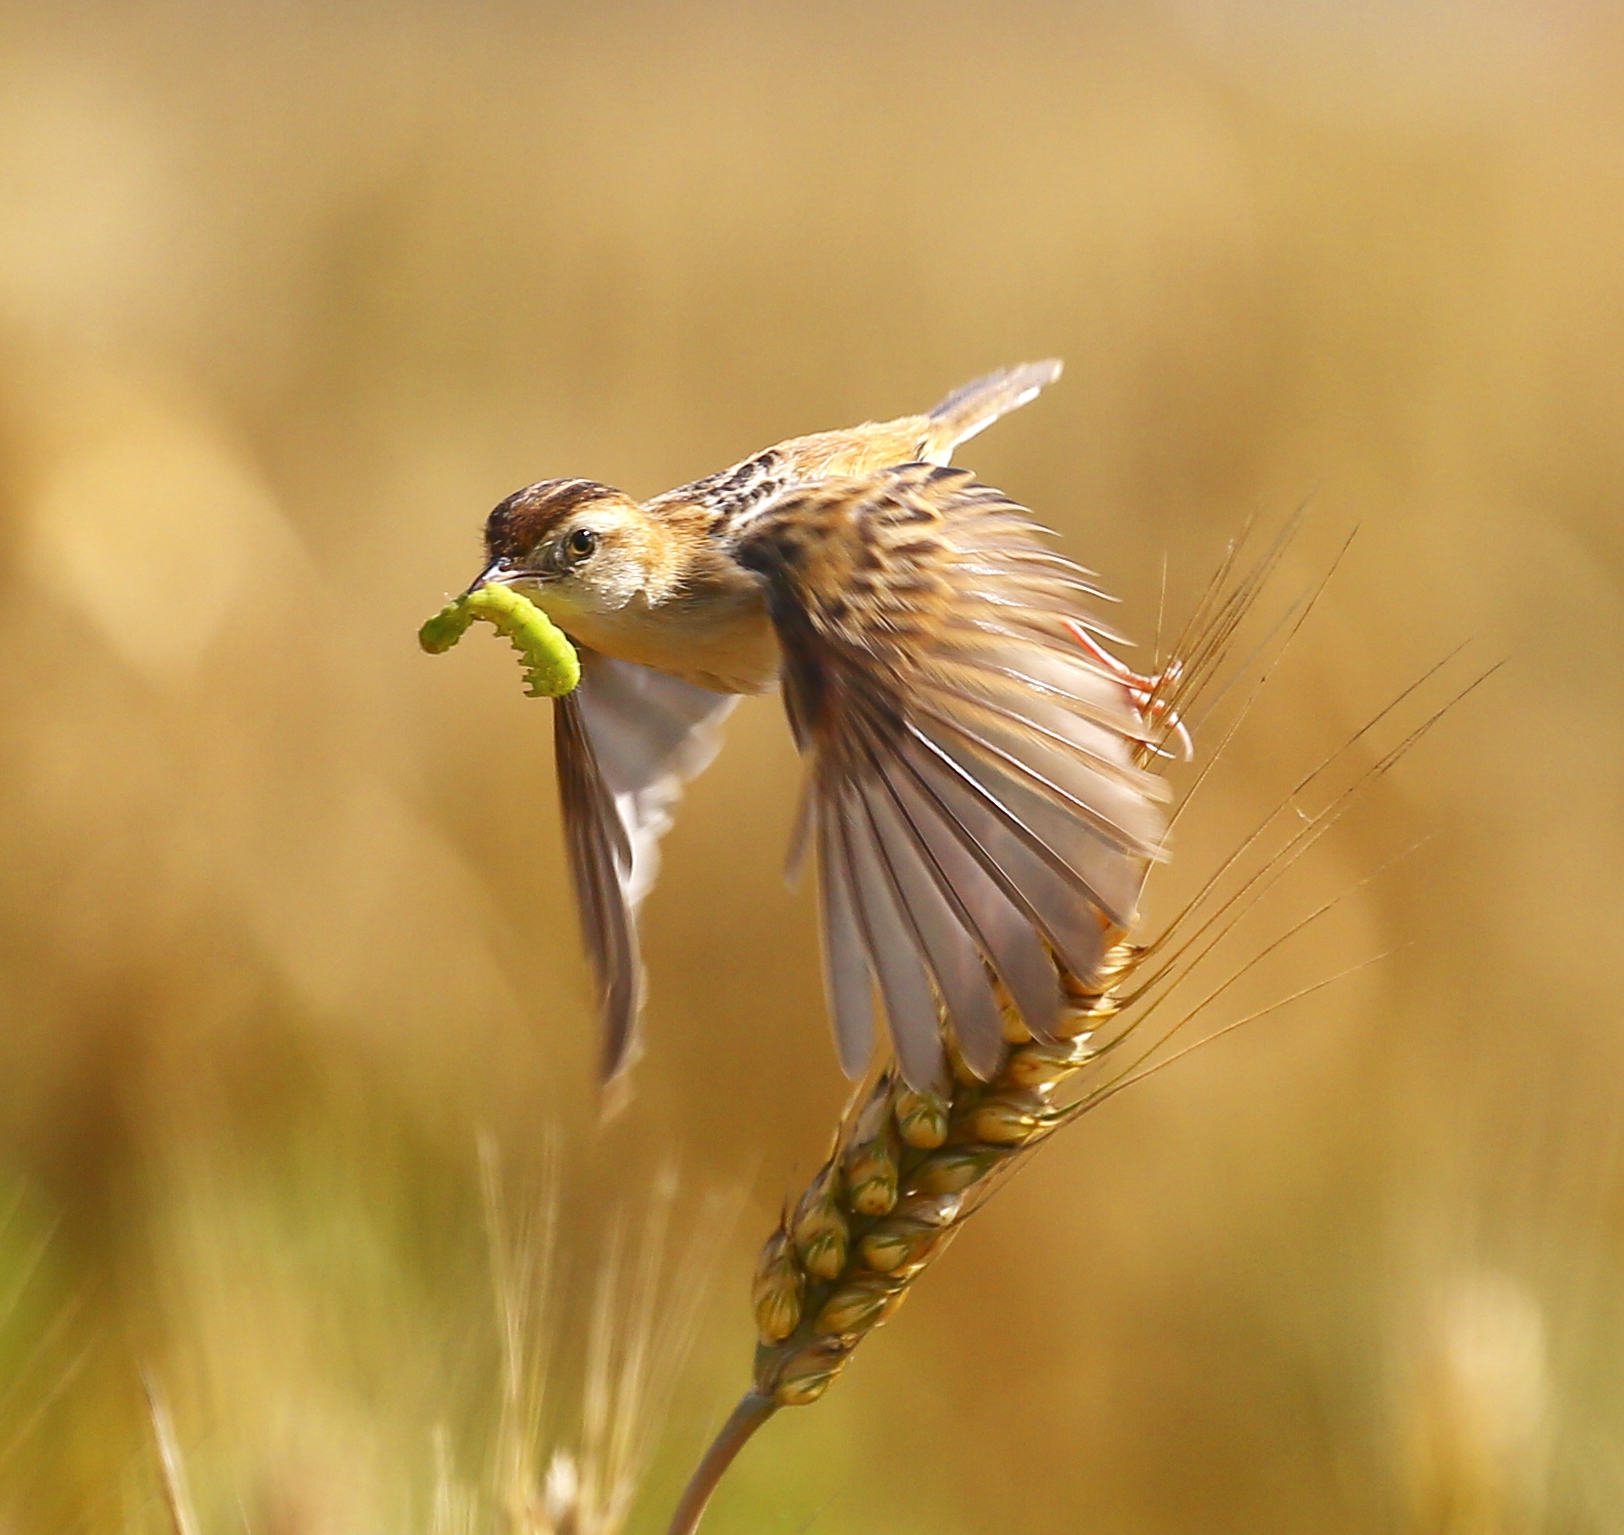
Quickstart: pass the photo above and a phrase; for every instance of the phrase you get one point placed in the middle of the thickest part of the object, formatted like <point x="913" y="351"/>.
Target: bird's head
<point x="575" y="546"/>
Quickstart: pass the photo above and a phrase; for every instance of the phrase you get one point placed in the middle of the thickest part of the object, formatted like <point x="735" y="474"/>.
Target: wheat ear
<point x="906" y="1171"/>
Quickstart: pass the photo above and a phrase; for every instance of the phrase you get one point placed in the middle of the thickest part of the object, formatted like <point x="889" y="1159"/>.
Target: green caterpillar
<point x="551" y="666"/>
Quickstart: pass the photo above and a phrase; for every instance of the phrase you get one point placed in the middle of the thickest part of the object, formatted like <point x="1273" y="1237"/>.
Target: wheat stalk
<point x="171" y="1467"/>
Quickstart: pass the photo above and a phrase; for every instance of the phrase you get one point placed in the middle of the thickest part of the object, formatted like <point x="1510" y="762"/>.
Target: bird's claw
<point x="1147" y="694"/>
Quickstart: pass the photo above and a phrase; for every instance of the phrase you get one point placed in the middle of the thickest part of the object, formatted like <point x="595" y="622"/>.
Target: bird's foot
<point x="1147" y="694"/>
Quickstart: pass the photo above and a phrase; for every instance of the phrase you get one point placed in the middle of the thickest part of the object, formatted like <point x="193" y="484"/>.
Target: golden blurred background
<point x="290" y="295"/>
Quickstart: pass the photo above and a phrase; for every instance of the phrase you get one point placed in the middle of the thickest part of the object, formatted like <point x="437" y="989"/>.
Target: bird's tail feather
<point x="975" y="406"/>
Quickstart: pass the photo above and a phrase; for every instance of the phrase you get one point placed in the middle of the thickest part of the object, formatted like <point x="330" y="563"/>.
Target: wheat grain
<point x="898" y="1203"/>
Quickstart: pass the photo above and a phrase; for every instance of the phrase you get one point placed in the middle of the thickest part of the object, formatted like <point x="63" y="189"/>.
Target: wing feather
<point x="1003" y="932"/>
<point x="982" y="817"/>
<point x="910" y="1001"/>
<point x="1055" y="899"/>
<point x="626" y="740"/>
<point x="847" y="974"/>
<point x="947" y="946"/>
<point x="600" y="864"/>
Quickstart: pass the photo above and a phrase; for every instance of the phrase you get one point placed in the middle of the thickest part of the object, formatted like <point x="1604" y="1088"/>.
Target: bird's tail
<point x="975" y="406"/>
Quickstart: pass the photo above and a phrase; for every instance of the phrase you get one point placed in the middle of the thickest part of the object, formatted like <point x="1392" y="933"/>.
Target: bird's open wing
<point x="973" y="797"/>
<point x="627" y="740"/>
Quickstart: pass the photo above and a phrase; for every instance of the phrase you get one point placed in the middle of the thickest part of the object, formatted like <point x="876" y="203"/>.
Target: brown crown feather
<point x="516" y="525"/>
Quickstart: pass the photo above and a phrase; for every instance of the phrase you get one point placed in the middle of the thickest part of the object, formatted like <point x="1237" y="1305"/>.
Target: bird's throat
<point x="719" y="638"/>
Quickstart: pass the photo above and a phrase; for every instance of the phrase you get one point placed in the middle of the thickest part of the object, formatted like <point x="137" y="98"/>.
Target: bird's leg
<point x="1148" y="694"/>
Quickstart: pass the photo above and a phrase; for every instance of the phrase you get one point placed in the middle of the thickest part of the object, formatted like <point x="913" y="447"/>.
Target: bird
<point x="976" y="799"/>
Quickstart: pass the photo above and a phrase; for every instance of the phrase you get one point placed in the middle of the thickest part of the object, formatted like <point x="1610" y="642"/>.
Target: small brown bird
<point x="973" y="797"/>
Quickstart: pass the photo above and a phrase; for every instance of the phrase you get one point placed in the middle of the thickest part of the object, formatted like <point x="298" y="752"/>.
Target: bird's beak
<point x="497" y="573"/>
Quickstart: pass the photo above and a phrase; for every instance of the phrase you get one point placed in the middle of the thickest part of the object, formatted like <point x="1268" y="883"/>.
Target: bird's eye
<point x="580" y="544"/>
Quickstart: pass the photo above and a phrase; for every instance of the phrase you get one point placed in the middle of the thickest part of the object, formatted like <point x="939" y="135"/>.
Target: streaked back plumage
<point x="732" y="498"/>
